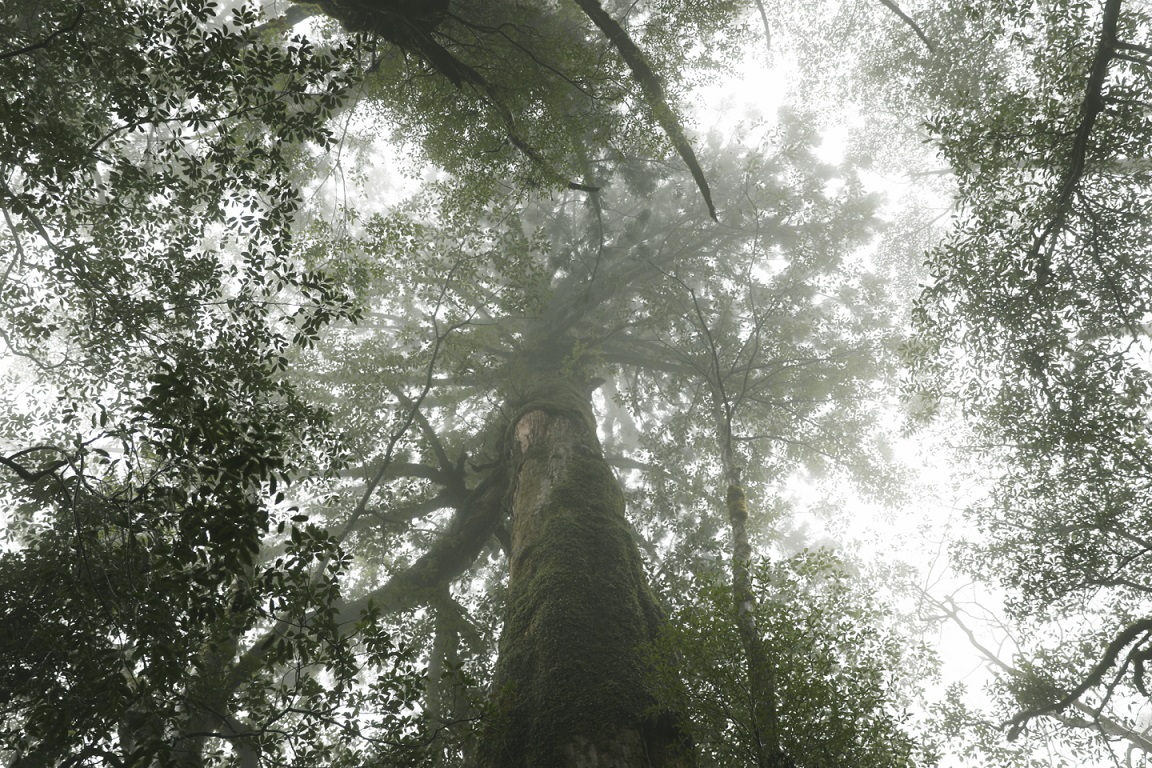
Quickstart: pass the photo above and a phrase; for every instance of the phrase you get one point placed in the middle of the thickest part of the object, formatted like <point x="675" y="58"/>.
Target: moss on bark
<point x="573" y="686"/>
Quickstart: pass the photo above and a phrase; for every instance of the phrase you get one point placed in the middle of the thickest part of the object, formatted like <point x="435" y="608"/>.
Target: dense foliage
<point x="846" y="666"/>
<point x="1036" y="315"/>
<point x="254" y="452"/>
<point x="149" y="308"/>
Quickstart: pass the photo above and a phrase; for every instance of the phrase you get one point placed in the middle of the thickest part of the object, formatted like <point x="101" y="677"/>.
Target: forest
<point x="575" y="383"/>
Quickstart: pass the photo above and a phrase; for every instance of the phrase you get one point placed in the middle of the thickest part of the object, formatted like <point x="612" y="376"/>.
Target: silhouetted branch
<point x="44" y="43"/>
<point x="767" y="28"/>
<point x="653" y="92"/>
<point x="890" y="5"/>
<point x="1109" y="725"/>
<point x="31" y="476"/>
<point x="1138" y="631"/>
<point x="1090" y="108"/>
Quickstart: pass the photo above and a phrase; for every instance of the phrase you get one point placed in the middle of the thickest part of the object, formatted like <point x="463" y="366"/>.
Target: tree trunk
<point x="761" y="678"/>
<point x="573" y="686"/>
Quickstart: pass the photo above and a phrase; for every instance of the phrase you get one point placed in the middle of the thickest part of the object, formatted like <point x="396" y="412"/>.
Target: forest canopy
<point x="436" y="383"/>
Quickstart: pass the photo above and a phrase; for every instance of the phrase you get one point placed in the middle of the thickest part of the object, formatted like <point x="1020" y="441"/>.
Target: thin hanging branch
<point x="653" y="92"/>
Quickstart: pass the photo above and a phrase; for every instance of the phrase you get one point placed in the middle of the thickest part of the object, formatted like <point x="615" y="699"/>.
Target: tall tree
<point x="151" y="226"/>
<point x="527" y="310"/>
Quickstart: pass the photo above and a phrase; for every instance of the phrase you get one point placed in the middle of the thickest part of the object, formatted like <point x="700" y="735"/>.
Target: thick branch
<point x="1096" y="718"/>
<point x="653" y="92"/>
<point x="1141" y="49"/>
<point x="1127" y="637"/>
<point x="448" y="557"/>
<point x="1090" y="108"/>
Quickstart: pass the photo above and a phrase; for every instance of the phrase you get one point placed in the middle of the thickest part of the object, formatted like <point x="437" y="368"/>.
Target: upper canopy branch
<point x="1090" y="109"/>
<point x="911" y="24"/>
<point x="653" y="92"/>
<point x="419" y="29"/>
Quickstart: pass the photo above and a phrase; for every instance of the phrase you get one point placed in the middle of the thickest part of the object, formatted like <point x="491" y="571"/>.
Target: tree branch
<point x="1089" y="110"/>
<point x="890" y="5"/>
<point x="1112" y="653"/>
<point x="653" y="92"/>
<point x="767" y="27"/>
<point x="44" y="43"/>
<point x="452" y="552"/>
<point x="1096" y="718"/>
<point x="28" y="475"/>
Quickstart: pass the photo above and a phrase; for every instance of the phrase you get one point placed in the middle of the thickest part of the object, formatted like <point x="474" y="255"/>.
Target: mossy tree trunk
<point x="573" y="686"/>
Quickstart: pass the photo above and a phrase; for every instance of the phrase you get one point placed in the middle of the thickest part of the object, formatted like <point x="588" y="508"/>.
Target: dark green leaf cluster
<point x="149" y="200"/>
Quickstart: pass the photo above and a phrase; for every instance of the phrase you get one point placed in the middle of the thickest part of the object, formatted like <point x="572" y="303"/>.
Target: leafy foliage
<point x="149" y="199"/>
<point x="1035" y="322"/>
<point x="845" y="667"/>
<point x="171" y="602"/>
<point x="554" y="95"/>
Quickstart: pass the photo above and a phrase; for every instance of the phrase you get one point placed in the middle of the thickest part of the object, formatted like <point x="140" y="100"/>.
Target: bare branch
<point x="1126" y="46"/>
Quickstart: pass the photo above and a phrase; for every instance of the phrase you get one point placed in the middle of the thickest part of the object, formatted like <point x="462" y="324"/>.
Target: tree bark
<point x="573" y="686"/>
